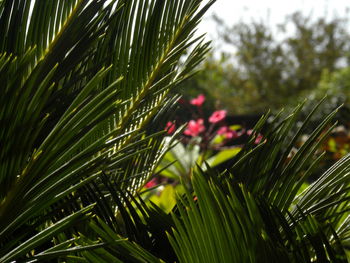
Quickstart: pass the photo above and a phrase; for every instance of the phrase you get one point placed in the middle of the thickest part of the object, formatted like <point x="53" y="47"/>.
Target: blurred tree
<point x="272" y="67"/>
<point x="337" y="86"/>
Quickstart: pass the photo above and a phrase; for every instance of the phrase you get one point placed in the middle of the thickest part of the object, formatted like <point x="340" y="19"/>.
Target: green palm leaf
<point x="226" y="223"/>
<point x="82" y="80"/>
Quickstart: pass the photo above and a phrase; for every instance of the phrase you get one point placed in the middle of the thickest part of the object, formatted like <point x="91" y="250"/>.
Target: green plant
<point x="84" y="94"/>
<point x="83" y="131"/>
<point x="263" y="209"/>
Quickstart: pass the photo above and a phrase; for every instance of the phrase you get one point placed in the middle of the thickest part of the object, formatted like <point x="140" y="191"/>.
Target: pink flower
<point x="249" y="132"/>
<point x="227" y="132"/>
<point x="217" y="116"/>
<point x="198" y="101"/>
<point x="195" y="127"/>
<point x="170" y="127"/>
<point x="222" y="130"/>
<point x="258" y="138"/>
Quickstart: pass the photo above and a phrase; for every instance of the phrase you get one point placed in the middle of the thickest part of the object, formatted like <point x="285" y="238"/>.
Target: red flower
<point x="151" y="183"/>
<point x="170" y="127"/>
<point x="195" y="127"/>
<point x="181" y="101"/>
<point x="227" y="132"/>
<point x="217" y="116"/>
<point x="198" y="101"/>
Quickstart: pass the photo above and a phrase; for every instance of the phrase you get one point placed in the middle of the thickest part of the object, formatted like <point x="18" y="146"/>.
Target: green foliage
<point x="336" y="84"/>
<point x="263" y="210"/>
<point x="181" y="160"/>
<point x="230" y="224"/>
<point x="85" y="88"/>
<point x="84" y="96"/>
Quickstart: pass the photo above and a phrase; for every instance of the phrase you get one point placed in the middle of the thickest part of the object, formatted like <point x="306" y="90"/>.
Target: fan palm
<point x="84" y="96"/>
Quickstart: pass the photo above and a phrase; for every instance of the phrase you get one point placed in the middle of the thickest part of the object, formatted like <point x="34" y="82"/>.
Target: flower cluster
<point x="205" y="138"/>
<point x="209" y="128"/>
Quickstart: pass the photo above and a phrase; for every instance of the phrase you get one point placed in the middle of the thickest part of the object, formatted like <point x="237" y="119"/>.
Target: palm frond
<point x="280" y="176"/>
<point x="81" y="82"/>
<point x="224" y="222"/>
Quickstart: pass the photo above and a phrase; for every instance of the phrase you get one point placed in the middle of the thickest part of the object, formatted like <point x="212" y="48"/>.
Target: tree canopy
<point x="272" y="67"/>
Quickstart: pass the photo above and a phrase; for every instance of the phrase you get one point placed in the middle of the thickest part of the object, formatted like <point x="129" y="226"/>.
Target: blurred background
<point x="265" y="56"/>
<point x="272" y="54"/>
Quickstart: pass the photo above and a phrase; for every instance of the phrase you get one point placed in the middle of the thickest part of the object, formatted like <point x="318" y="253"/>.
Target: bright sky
<point x="273" y="11"/>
